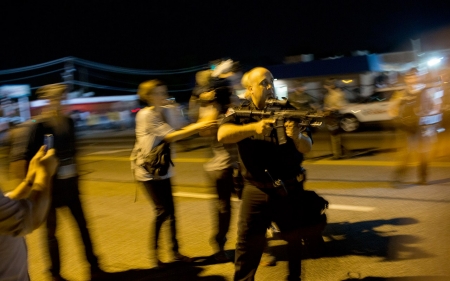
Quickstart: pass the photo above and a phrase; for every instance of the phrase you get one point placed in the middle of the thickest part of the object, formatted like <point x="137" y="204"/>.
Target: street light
<point x="434" y="61"/>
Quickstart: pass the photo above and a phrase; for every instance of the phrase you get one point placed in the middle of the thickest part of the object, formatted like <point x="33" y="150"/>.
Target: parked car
<point x="369" y="110"/>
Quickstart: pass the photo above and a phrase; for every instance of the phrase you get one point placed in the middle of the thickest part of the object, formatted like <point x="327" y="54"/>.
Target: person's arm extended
<point x="188" y="130"/>
<point x="232" y="133"/>
<point x="17" y="172"/>
<point x="37" y="182"/>
<point x="303" y="143"/>
<point x="22" y="190"/>
<point x="40" y="198"/>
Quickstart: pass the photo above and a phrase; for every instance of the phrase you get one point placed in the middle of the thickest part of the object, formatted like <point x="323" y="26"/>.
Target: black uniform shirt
<point x="260" y="153"/>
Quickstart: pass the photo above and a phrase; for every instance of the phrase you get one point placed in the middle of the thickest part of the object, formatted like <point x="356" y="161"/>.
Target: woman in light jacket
<point x="151" y="129"/>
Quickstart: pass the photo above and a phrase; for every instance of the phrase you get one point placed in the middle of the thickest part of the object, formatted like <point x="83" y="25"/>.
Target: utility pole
<point x="83" y="75"/>
<point x="417" y="49"/>
<point x="67" y="75"/>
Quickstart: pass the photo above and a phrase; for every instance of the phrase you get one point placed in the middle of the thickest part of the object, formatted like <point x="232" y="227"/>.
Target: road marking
<point x="331" y="206"/>
<point x="191" y="160"/>
<point x="108" y="151"/>
<point x="307" y="162"/>
<point x="200" y="195"/>
<point x="350" y="208"/>
<point x="369" y="163"/>
<point x="194" y="195"/>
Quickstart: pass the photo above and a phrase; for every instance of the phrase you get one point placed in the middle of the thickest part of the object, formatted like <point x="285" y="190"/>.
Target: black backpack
<point x="159" y="160"/>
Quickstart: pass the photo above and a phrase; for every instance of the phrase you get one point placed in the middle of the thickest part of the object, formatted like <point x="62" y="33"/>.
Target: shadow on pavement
<point x="415" y="278"/>
<point x="404" y="184"/>
<point x="171" y="272"/>
<point x="210" y="260"/>
<point x="361" y="239"/>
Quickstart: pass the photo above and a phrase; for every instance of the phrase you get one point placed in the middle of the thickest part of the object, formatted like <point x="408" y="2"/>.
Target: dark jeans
<point x="65" y="193"/>
<point x="258" y="209"/>
<point x="160" y="194"/>
<point x="224" y="187"/>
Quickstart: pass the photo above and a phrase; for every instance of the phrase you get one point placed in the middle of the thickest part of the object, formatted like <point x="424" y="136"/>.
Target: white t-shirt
<point x="150" y="131"/>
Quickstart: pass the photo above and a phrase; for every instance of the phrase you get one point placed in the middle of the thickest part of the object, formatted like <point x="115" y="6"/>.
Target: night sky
<point x="177" y="34"/>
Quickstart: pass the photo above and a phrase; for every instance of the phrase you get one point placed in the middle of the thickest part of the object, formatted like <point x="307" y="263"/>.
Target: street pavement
<point x="119" y="218"/>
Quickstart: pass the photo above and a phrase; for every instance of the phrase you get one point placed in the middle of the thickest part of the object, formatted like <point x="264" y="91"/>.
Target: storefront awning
<point x="340" y="66"/>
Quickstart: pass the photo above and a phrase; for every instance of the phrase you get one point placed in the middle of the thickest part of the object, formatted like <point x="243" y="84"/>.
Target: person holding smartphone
<point x="22" y="211"/>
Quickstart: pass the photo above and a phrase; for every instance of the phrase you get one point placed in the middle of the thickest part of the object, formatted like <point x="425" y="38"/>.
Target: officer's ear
<point x="249" y="90"/>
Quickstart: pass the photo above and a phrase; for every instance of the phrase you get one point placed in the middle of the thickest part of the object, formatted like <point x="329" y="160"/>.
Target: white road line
<point x="195" y="195"/>
<point x="332" y="206"/>
<point x="108" y="151"/>
<point x="351" y="208"/>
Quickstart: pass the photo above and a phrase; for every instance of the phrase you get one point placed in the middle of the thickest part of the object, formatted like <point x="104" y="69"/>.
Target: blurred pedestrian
<point x="202" y="85"/>
<point x="65" y="191"/>
<point x="23" y="210"/>
<point x="301" y="100"/>
<point x="151" y="130"/>
<point x="224" y="163"/>
<point x="419" y="114"/>
<point x="334" y="101"/>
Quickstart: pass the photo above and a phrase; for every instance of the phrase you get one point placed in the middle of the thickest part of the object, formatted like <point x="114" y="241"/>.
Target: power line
<point x="134" y="90"/>
<point x="105" y="67"/>
<point x="32" y="67"/>
<point x="32" y="76"/>
<point x="133" y="71"/>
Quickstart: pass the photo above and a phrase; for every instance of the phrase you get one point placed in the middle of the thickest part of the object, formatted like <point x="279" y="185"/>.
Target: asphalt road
<point x="376" y="230"/>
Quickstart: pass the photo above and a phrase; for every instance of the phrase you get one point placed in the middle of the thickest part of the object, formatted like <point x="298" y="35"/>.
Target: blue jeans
<point x="160" y="194"/>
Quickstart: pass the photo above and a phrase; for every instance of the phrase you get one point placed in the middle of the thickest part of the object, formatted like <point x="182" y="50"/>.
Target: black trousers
<point x="224" y="186"/>
<point x="160" y="194"/>
<point x="66" y="193"/>
<point x="258" y="208"/>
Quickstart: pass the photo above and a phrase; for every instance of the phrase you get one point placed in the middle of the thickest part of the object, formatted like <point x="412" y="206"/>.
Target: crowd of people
<point x="249" y="160"/>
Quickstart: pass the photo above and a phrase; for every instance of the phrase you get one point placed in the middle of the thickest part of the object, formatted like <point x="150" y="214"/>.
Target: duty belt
<point x="270" y="185"/>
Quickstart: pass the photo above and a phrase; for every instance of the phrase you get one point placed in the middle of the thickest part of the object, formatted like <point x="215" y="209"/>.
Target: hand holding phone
<point x="48" y="141"/>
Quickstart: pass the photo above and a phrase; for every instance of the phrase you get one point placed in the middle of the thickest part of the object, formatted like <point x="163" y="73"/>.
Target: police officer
<point x="418" y="115"/>
<point x="332" y="103"/>
<point x="263" y="163"/>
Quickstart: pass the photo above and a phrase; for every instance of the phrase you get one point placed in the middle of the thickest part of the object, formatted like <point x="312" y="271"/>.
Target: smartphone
<point x="48" y="141"/>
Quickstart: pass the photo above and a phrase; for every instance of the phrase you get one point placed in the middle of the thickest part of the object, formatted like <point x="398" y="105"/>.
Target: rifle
<point x="274" y="110"/>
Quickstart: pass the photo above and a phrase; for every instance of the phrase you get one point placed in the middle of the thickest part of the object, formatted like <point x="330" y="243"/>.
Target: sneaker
<point x="181" y="258"/>
<point x="221" y="256"/>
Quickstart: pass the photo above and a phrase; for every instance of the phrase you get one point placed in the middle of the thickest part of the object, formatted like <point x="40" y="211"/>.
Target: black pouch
<point x="311" y="209"/>
<point x="159" y="160"/>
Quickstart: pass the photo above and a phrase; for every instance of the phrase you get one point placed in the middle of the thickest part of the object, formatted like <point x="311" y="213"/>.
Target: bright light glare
<point x="347" y="81"/>
<point x="434" y="61"/>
